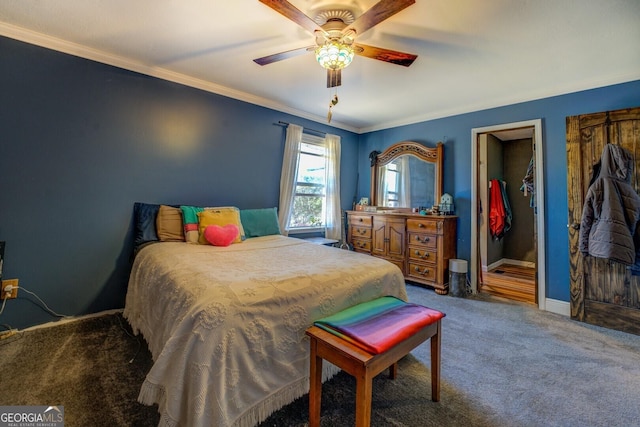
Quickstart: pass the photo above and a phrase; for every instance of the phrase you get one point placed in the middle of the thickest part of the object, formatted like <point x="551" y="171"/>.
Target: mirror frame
<point x="432" y="155"/>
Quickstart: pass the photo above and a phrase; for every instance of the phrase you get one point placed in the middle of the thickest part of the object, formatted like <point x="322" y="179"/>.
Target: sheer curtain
<point x="383" y="190"/>
<point x="404" y="197"/>
<point x="333" y="212"/>
<point x="288" y="176"/>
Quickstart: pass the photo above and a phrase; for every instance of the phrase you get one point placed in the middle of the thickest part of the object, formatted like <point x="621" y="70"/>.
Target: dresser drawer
<point x="421" y="254"/>
<point x="423" y="240"/>
<point x="362" y="220"/>
<point x="361" y="245"/>
<point x="422" y="271"/>
<point x="398" y="262"/>
<point x="360" y="232"/>
<point x="422" y="226"/>
<point x="420" y="245"/>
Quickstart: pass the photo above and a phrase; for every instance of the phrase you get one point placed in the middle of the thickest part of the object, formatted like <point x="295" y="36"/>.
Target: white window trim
<point x="318" y="141"/>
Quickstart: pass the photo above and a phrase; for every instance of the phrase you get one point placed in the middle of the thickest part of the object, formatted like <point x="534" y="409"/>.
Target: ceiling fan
<point x="335" y="32"/>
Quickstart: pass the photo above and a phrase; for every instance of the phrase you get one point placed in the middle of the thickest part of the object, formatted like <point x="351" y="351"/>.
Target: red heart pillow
<point x="221" y="236"/>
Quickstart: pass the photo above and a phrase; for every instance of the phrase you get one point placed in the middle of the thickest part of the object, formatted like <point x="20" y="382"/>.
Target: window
<point x="394" y="183"/>
<point x="310" y="184"/>
<point x="309" y="199"/>
<point x="391" y="178"/>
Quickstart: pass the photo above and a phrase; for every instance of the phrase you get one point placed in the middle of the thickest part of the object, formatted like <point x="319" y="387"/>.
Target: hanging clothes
<point x="528" y="183"/>
<point x="499" y="210"/>
<point x="611" y="212"/>
<point x="508" y="214"/>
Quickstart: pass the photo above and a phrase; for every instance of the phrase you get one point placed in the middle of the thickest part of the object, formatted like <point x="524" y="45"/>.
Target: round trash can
<point x="458" y="277"/>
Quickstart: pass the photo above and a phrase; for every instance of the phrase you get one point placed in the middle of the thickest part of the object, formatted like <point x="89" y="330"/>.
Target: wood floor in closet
<point x="510" y="281"/>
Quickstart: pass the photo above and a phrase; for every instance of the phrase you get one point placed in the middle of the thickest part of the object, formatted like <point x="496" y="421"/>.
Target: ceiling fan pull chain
<point x="334" y="100"/>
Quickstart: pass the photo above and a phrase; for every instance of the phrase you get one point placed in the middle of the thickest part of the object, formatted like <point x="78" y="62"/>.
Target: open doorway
<point x="509" y="265"/>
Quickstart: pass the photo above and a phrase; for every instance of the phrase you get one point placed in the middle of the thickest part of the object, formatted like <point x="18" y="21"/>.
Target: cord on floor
<point x="132" y="336"/>
<point x="44" y="304"/>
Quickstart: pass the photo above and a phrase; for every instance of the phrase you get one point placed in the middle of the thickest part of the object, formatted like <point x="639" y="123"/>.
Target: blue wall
<point x="457" y="153"/>
<point x="82" y="141"/>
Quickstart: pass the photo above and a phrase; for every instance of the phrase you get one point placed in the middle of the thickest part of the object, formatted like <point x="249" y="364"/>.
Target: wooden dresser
<point x="420" y="245"/>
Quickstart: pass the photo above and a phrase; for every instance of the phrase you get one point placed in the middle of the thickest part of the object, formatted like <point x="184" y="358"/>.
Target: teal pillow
<point x="260" y="222"/>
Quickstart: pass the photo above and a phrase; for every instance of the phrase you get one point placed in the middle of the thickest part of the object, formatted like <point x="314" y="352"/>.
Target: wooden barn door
<point x="603" y="292"/>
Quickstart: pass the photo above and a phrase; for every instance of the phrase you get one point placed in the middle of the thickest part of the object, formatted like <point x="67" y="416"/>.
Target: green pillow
<point x="260" y="222"/>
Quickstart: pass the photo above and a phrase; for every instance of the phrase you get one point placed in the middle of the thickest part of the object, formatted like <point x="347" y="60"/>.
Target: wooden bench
<point x="365" y="365"/>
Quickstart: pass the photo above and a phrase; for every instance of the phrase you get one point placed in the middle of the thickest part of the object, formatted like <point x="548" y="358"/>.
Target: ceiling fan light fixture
<point x="334" y="55"/>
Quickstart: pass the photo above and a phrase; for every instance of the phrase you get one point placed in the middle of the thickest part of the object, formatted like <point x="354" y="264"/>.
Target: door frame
<point x="539" y="195"/>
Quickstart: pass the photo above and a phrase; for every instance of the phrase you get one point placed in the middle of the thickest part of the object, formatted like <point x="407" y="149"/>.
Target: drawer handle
<point x="426" y="239"/>
<point x="360" y="219"/>
<point x="360" y="245"/>
<point x="362" y="231"/>
<point x="420" y="225"/>
<point x="425" y="256"/>
<point x="426" y="271"/>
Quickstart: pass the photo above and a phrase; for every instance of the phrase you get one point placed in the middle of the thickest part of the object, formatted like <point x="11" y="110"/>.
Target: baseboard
<point x="72" y="319"/>
<point x="517" y="262"/>
<point x="559" y="307"/>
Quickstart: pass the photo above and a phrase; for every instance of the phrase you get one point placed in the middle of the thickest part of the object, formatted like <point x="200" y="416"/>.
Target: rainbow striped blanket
<point x="380" y="324"/>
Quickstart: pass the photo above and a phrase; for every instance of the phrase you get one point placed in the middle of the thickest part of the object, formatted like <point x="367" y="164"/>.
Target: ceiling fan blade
<point x="386" y="55"/>
<point x="334" y="78"/>
<point x="265" y="60"/>
<point x="378" y="13"/>
<point x="293" y="13"/>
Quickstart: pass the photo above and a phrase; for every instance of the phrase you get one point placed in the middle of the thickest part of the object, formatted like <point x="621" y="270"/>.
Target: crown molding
<point x="75" y="49"/>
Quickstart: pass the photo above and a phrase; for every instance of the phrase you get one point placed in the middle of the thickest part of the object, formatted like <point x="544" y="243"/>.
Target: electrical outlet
<point x="14" y="289"/>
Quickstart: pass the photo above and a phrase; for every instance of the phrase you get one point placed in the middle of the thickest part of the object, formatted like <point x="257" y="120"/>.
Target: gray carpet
<point x="503" y="364"/>
<point x="83" y="366"/>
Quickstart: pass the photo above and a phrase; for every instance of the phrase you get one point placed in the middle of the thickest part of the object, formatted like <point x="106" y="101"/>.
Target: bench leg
<point x="435" y="364"/>
<point x="364" y="388"/>
<point x="315" y="385"/>
<point x="393" y="371"/>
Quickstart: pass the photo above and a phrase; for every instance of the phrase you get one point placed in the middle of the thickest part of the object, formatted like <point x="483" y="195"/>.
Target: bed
<point x="225" y="325"/>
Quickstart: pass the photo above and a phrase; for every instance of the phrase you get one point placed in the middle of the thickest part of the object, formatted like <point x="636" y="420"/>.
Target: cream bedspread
<point x="226" y="326"/>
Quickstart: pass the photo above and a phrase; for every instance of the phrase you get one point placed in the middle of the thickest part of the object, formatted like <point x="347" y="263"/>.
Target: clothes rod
<point x="281" y="123"/>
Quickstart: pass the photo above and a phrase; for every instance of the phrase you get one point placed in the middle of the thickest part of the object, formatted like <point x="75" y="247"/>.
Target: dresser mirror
<point x="406" y="175"/>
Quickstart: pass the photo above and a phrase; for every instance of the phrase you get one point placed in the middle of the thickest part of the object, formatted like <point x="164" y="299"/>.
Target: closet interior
<point x="507" y="221"/>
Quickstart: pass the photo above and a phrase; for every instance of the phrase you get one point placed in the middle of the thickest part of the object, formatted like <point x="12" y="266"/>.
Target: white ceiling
<point x="472" y="54"/>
